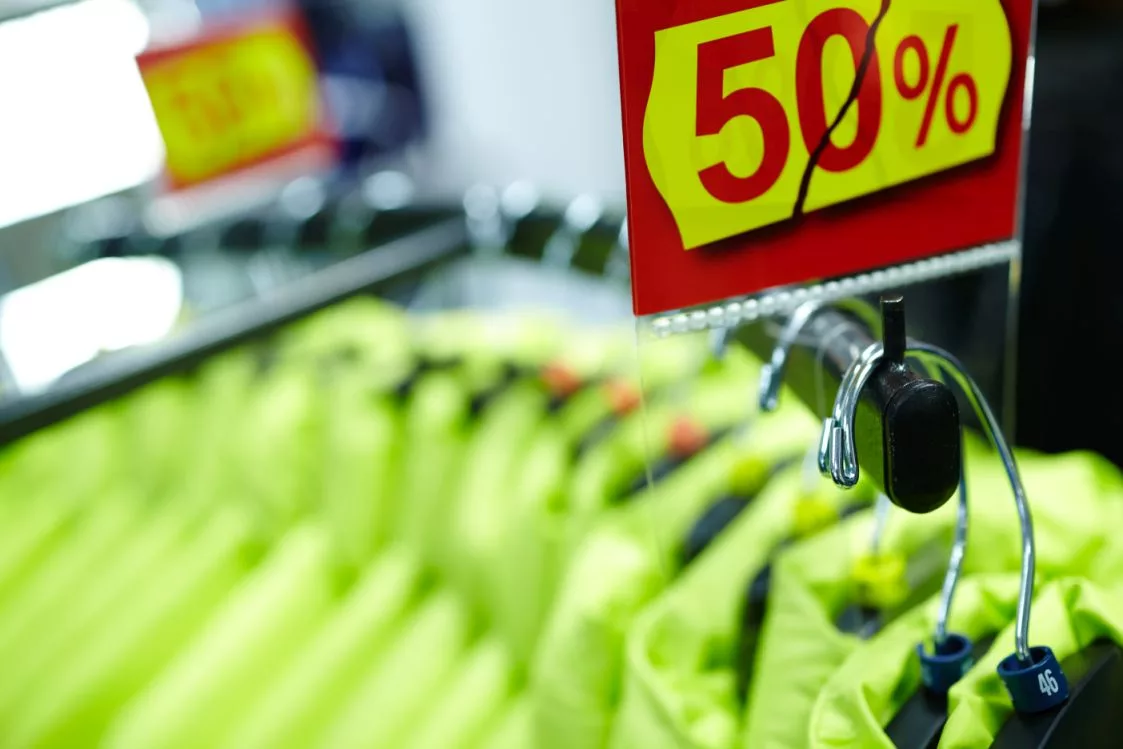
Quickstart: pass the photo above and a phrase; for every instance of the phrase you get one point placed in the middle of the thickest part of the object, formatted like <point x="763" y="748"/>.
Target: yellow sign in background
<point x="226" y="104"/>
<point x="739" y="103"/>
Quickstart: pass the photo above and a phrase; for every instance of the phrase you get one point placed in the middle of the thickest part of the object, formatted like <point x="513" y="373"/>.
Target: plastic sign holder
<point x="774" y="143"/>
<point x="239" y="98"/>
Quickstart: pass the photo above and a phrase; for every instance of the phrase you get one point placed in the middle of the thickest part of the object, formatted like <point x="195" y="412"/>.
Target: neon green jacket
<point x="494" y="462"/>
<point x="474" y="698"/>
<point x="1068" y="615"/>
<point x="437" y="430"/>
<point x="623" y="565"/>
<point x="800" y="645"/>
<point x="292" y="709"/>
<point x="871" y="684"/>
<point x="595" y="432"/>
<point x="680" y="685"/>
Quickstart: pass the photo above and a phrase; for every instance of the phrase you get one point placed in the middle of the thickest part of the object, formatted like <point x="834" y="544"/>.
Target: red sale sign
<point x="773" y="142"/>
<point x="236" y="98"/>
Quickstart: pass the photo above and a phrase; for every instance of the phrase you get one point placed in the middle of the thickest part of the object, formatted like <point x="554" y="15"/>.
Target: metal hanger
<point x="870" y="612"/>
<point x="758" y="590"/>
<point x="1032" y="675"/>
<point x="908" y="425"/>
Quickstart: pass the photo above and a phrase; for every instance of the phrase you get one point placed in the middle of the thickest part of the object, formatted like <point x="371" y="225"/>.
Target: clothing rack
<point x="895" y="425"/>
<point x="398" y="260"/>
<point x="908" y="427"/>
<point x="410" y="243"/>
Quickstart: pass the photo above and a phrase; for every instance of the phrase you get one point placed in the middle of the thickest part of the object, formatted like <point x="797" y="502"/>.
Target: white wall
<point x="523" y="89"/>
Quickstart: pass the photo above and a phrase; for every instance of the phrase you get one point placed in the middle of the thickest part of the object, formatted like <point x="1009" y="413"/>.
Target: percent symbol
<point x="913" y="91"/>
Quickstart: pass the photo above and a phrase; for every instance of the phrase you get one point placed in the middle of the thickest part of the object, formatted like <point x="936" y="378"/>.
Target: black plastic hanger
<point x="721" y="514"/>
<point x="920" y="721"/>
<point x="422" y="366"/>
<point x="1090" y="718"/>
<point x="907" y="426"/>
<point x="604" y="427"/>
<point x="553" y="377"/>
<point x="863" y="620"/>
<point x="755" y="608"/>
<point x="1035" y="680"/>
<point x="509" y="375"/>
<point x="595" y="436"/>
<point x="670" y="462"/>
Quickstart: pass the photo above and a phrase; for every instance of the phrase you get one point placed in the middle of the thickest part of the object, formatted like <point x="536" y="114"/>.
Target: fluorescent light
<point x="55" y="325"/>
<point x="77" y="124"/>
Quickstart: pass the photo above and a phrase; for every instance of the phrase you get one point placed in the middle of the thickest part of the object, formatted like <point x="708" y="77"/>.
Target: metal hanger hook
<point x="881" y="509"/>
<point x="838" y="457"/>
<point x="772" y="373"/>
<point x="955" y="562"/>
<point x="970" y="389"/>
<point x="959" y="543"/>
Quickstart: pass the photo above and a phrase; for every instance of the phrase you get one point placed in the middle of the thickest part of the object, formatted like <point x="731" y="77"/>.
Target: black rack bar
<point x="124" y="371"/>
<point x="907" y="427"/>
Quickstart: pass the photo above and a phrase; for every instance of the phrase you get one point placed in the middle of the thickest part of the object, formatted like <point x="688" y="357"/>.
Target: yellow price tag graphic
<point x="757" y="116"/>
<point x="230" y="103"/>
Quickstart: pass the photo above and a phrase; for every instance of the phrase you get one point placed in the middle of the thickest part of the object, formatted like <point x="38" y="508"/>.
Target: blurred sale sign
<point x="233" y="99"/>
<point x="771" y="142"/>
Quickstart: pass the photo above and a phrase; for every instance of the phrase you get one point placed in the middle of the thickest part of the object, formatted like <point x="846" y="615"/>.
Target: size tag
<point x="235" y="99"/>
<point x="746" y="120"/>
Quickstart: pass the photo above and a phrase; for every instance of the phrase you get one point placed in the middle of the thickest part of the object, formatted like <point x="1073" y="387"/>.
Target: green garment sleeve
<point x="800" y="645"/>
<point x="528" y="570"/>
<point x="681" y="681"/>
<point x="73" y="703"/>
<point x="29" y="536"/>
<point x="154" y="422"/>
<point x="221" y="396"/>
<point x="434" y="438"/>
<point x="492" y="460"/>
<point x="284" y="418"/>
<point x="620" y="568"/>
<point x="375" y="336"/>
<point x="39" y="503"/>
<point x="61" y="629"/>
<point x="296" y="707"/>
<point x="474" y="698"/>
<point x="536" y="530"/>
<point x="238" y="651"/>
<point x="91" y="442"/>
<point x="396" y="688"/>
<point x="872" y="684"/>
<point x="1068" y="615"/>
<point x="46" y="591"/>
<point x="514" y="729"/>
<point x="357" y="492"/>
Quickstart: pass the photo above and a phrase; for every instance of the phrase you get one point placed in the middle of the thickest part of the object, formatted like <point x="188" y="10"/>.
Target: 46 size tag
<point x="756" y="115"/>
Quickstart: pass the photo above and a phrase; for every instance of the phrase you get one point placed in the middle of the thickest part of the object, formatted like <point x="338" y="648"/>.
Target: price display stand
<point x="788" y="163"/>
<point x="779" y="152"/>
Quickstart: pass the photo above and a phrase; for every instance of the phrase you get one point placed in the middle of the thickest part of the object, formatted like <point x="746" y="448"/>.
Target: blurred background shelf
<point x="431" y="99"/>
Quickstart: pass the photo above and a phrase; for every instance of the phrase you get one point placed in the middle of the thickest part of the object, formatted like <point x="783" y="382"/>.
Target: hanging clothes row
<point x="381" y="530"/>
